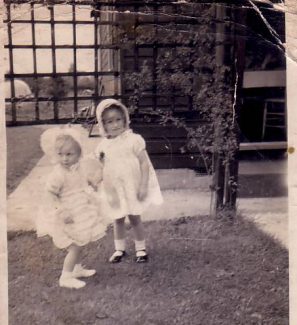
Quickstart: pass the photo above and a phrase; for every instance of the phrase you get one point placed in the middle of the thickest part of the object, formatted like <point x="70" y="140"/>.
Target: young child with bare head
<point x="69" y="213"/>
<point x="128" y="176"/>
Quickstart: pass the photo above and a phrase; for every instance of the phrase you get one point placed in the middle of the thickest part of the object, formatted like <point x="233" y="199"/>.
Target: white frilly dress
<point x="121" y="169"/>
<point x="73" y="195"/>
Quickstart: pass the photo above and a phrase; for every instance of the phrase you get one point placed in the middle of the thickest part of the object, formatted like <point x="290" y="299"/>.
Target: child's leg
<point x="136" y="223"/>
<point x="71" y="258"/>
<point x="66" y="279"/>
<point x="119" y="240"/>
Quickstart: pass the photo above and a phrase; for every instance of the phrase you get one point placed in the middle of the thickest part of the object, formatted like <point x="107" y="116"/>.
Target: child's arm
<point x="112" y="194"/>
<point x="93" y="171"/>
<point x="94" y="180"/>
<point x="53" y="204"/>
<point x="144" y="169"/>
<point x="51" y="199"/>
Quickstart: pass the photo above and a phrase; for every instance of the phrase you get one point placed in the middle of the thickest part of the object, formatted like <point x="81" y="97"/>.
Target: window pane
<point x="105" y="34"/>
<point x="66" y="109"/>
<point x="105" y="60"/>
<point x="21" y="34"/>
<point x="6" y="61"/>
<point x="49" y="87"/>
<point x="85" y="60"/>
<point x="5" y="35"/>
<point x="67" y="86"/>
<point x="44" y="61"/>
<point x="8" y="112"/>
<point x="24" y="87"/>
<point x="4" y="13"/>
<point x="21" y="12"/>
<point x="64" y="60"/>
<point x="41" y="12"/>
<point x="25" y="111"/>
<point x="63" y="12"/>
<point x="109" y="84"/>
<point x="23" y="61"/>
<point x="83" y="103"/>
<point x="64" y="34"/>
<point x="85" y="85"/>
<point x="42" y="34"/>
<point x="7" y="88"/>
<point x="85" y="34"/>
<point x="83" y="13"/>
<point x="46" y="110"/>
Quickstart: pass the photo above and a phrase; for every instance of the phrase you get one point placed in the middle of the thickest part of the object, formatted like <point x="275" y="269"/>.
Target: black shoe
<point x="117" y="256"/>
<point x="142" y="258"/>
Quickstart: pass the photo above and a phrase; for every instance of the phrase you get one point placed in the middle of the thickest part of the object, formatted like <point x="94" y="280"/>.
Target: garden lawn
<point x="201" y="271"/>
<point x="23" y="152"/>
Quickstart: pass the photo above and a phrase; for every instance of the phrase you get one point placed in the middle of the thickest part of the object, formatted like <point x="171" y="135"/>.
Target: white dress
<point x="71" y="188"/>
<point x="121" y="169"/>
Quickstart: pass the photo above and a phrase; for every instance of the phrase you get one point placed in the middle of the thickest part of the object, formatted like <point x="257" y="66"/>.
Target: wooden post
<point x="11" y="66"/>
<point x="225" y="169"/>
<point x="218" y="168"/>
<point x="75" y="88"/>
<point x="35" y="79"/>
<point x="54" y="62"/>
<point x="238" y="70"/>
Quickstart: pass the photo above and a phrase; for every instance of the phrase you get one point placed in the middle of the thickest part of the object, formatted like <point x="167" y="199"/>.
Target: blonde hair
<point x="64" y="139"/>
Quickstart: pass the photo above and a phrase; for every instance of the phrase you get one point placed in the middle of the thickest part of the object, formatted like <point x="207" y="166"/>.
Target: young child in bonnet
<point x="69" y="212"/>
<point x="128" y="176"/>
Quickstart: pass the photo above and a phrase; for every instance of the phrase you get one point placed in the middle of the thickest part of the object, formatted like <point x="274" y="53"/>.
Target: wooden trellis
<point x="112" y="60"/>
<point x="109" y="58"/>
<point x="97" y="46"/>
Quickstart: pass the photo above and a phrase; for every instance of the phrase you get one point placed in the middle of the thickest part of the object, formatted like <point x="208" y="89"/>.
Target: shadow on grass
<point x="23" y="152"/>
<point x="267" y="185"/>
<point x="201" y="271"/>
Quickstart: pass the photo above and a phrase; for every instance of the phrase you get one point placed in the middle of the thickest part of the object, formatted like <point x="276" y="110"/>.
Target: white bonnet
<point x="48" y="139"/>
<point x="105" y="104"/>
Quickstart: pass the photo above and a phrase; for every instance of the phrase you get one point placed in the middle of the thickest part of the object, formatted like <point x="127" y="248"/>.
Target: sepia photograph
<point x="149" y="153"/>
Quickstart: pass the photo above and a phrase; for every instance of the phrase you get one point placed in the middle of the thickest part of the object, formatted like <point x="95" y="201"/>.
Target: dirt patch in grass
<point x="23" y="152"/>
<point x="201" y="271"/>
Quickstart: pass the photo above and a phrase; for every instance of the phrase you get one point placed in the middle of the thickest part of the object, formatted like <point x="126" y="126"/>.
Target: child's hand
<point x="144" y="167"/>
<point x="142" y="193"/>
<point x="94" y="185"/>
<point x="114" y="200"/>
<point x="95" y="180"/>
<point x="93" y="170"/>
<point x="112" y="196"/>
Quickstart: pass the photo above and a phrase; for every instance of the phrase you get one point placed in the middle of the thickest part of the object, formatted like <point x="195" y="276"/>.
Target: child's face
<point x="68" y="155"/>
<point x="113" y="122"/>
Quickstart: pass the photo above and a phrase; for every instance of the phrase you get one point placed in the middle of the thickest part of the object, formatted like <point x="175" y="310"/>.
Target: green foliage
<point x="185" y="65"/>
<point x="48" y="87"/>
<point x="55" y="86"/>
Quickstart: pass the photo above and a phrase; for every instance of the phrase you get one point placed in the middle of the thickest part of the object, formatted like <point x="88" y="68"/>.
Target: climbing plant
<point x="196" y="66"/>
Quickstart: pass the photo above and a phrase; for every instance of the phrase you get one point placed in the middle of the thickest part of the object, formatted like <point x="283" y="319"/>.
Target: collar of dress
<point x="122" y="135"/>
<point x="72" y="168"/>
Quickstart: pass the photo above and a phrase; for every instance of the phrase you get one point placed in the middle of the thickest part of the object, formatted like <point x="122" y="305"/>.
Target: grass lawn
<point x="201" y="271"/>
<point x="23" y="152"/>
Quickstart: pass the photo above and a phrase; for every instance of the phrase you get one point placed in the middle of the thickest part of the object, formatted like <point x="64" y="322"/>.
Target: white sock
<point x="79" y="271"/>
<point x="68" y="281"/>
<point x="120" y="244"/>
<point x="66" y="275"/>
<point x="139" y="245"/>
